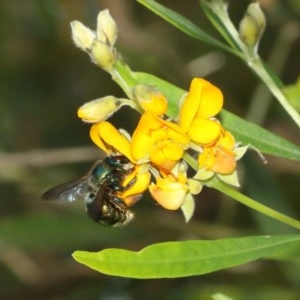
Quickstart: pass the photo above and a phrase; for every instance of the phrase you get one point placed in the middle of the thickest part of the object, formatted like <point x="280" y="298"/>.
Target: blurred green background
<point x="44" y="79"/>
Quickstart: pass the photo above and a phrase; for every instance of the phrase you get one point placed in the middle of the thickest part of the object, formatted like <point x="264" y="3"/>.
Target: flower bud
<point x="150" y="99"/>
<point x="106" y="28"/>
<point x="98" y="110"/>
<point x="252" y="25"/>
<point x="102" y="55"/>
<point x="82" y="36"/>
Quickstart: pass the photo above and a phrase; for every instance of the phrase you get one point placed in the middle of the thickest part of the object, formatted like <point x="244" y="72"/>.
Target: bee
<point x="100" y="190"/>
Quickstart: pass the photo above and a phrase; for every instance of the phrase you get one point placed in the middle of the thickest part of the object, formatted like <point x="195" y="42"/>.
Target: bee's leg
<point x="129" y="184"/>
<point x="120" y="188"/>
<point x="115" y="179"/>
<point x="118" y="202"/>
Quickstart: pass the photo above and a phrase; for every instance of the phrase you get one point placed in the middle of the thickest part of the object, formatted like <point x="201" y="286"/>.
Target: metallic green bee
<point x="99" y="189"/>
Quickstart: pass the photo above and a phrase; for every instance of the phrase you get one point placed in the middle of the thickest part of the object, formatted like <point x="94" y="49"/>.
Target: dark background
<point x="45" y="78"/>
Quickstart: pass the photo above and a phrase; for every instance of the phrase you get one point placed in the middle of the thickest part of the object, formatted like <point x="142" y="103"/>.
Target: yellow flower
<point x="158" y="141"/>
<point x="220" y="158"/>
<point x="110" y="140"/>
<point x="200" y="105"/>
<point x="169" y="192"/>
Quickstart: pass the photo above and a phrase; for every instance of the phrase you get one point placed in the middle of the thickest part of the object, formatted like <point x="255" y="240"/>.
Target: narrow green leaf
<point x="188" y="258"/>
<point x="214" y="17"/>
<point x="259" y="137"/>
<point x="183" y="24"/>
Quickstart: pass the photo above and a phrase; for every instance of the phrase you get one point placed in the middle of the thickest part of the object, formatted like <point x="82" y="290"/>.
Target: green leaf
<point x="214" y="11"/>
<point x="182" y="24"/>
<point x="188" y="258"/>
<point x="259" y="137"/>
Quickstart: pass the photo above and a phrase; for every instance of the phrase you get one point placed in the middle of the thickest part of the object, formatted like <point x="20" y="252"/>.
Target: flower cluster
<point x="159" y="145"/>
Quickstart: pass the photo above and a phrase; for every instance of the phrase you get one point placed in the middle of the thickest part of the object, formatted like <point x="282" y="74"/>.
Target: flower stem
<point x="116" y="76"/>
<point x="257" y="66"/>
<point x="229" y="191"/>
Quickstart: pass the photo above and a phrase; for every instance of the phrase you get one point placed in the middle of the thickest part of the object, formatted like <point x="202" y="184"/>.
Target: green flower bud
<point x="102" y="55"/>
<point x="82" y="36"/>
<point x="98" y="110"/>
<point x="252" y="25"/>
<point x="106" y="28"/>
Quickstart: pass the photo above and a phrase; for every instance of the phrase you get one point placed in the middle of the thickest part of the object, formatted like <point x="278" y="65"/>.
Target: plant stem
<point x="283" y="44"/>
<point x="116" y="76"/>
<point x="229" y="191"/>
<point x="257" y="66"/>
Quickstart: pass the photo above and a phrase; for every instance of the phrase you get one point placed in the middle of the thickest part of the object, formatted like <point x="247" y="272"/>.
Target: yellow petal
<point x="148" y="122"/>
<point x="95" y="137"/>
<point x="147" y="133"/>
<point x="168" y="194"/>
<point x="176" y="134"/>
<point x="206" y="159"/>
<point x="150" y="99"/>
<point x="158" y="105"/>
<point x="172" y="151"/>
<point x="112" y="137"/>
<point x="227" y="140"/>
<point x="151" y="132"/>
<point x="141" y="145"/>
<point x="224" y="163"/>
<point x="165" y="151"/>
<point x="204" y="132"/>
<point x="166" y="155"/>
<point x="203" y="100"/>
<point x="141" y="183"/>
<point x="190" y="104"/>
<point x="211" y="100"/>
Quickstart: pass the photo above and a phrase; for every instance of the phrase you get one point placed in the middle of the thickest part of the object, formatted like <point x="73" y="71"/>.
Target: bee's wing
<point x="69" y="191"/>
